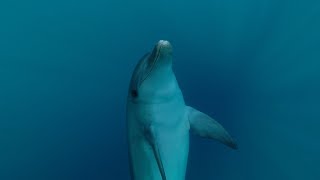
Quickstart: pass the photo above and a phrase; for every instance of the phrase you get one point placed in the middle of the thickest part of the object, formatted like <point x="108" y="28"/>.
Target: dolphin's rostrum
<point x="158" y="120"/>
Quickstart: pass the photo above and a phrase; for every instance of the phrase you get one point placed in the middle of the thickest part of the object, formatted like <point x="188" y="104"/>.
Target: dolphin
<point x="159" y="121"/>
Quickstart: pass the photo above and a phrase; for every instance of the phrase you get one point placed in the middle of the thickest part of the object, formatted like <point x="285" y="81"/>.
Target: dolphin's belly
<point x="143" y="163"/>
<point x="172" y="138"/>
<point x="174" y="157"/>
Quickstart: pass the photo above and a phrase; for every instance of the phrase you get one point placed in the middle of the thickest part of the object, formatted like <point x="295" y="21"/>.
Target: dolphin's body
<point x="158" y="121"/>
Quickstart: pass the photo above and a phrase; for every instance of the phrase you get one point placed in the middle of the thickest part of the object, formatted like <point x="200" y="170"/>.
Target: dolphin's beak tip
<point x="165" y="45"/>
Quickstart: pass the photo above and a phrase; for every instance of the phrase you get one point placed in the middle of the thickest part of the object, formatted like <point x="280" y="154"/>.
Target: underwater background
<point x="65" y="68"/>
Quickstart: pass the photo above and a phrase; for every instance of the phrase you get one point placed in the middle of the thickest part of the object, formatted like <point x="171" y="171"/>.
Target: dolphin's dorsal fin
<point x="204" y="126"/>
<point x="151" y="137"/>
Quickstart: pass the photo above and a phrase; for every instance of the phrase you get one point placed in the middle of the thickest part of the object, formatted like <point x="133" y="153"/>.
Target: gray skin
<point x="159" y="121"/>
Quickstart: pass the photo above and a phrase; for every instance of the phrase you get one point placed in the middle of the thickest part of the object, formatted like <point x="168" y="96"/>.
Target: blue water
<point x="252" y="65"/>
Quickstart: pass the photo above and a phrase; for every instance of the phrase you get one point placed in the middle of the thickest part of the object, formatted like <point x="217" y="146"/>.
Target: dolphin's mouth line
<point x="152" y="66"/>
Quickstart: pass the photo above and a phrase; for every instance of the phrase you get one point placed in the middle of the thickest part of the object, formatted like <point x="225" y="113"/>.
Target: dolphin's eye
<point x="134" y="93"/>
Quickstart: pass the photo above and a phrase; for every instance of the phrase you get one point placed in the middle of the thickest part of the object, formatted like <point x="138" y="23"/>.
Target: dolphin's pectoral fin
<point x="150" y="134"/>
<point x="159" y="161"/>
<point x="204" y="126"/>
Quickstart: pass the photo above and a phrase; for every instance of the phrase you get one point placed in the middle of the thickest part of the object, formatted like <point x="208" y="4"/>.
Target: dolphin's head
<point x="153" y="78"/>
<point x="162" y="53"/>
<point x="159" y="58"/>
